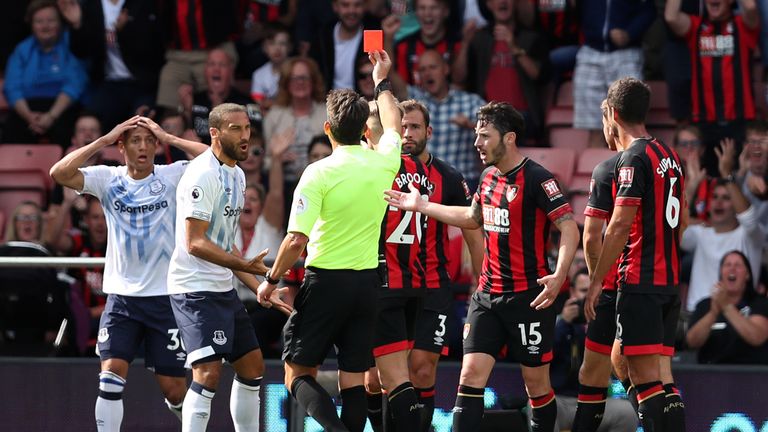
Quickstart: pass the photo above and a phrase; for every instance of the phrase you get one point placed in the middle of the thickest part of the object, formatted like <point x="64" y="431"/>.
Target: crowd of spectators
<point x="78" y="67"/>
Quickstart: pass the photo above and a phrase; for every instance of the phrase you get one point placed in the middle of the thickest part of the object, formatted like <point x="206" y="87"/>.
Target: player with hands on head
<point x="139" y="203"/>
<point x="516" y="203"/>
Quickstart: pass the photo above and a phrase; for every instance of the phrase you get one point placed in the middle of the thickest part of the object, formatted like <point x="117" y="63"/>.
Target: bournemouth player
<point x="447" y="187"/>
<point x="516" y="203"/>
<point x="595" y="372"/>
<point x="139" y="202"/>
<point x="212" y="320"/>
<point x="644" y="229"/>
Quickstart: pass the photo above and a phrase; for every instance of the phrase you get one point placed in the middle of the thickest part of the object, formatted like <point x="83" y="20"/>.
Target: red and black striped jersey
<point x="602" y="193"/>
<point x="518" y="208"/>
<point x="700" y="203"/>
<point x="403" y="234"/>
<point x="649" y="175"/>
<point x="449" y="188"/>
<point x="721" y="59"/>
<point x="409" y="49"/>
<point x="559" y="19"/>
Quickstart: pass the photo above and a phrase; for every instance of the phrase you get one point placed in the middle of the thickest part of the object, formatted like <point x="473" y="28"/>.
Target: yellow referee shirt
<point x="339" y="204"/>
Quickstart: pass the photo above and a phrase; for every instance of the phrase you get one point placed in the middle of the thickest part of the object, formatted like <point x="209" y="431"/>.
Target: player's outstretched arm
<point x="200" y="246"/>
<point x="569" y="242"/>
<point x="460" y="216"/>
<point x="66" y="172"/>
<point x="187" y="146"/>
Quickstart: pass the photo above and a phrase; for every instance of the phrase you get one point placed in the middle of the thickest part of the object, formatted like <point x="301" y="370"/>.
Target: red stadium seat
<point x="558" y="161"/>
<point x="560" y="116"/>
<point x="112" y="153"/>
<point x="30" y="157"/>
<point x="565" y="95"/>
<point x="666" y="135"/>
<point x="659" y="118"/>
<point x="575" y="139"/>
<point x="588" y="159"/>
<point x="658" y="95"/>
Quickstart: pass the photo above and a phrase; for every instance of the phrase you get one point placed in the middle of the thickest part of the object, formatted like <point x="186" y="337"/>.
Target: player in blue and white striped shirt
<point x="139" y="202"/>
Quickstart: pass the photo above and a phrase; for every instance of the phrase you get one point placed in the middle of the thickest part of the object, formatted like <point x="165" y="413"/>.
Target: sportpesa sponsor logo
<point x="229" y="211"/>
<point x="146" y="208"/>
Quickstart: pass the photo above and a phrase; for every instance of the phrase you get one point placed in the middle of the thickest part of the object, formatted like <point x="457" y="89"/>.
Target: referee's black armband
<point x="384" y="85"/>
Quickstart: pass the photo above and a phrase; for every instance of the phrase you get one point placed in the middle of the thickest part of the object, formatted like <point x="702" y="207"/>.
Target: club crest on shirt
<point x="552" y="189"/>
<point x="219" y="338"/>
<point x="512" y="192"/>
<point x="156" y="187"/>
<point x="591" y="186"/>
<point x="464" y="334"/>
<point x="626" y="175"/>
<point x="197" y="194"/>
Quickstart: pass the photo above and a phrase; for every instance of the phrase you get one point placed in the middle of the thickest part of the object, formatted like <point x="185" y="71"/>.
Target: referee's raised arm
<point x="388" y="111"/>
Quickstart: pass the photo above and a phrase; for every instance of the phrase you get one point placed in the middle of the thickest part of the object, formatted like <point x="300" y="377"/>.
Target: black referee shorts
<point x="333" y="308"/>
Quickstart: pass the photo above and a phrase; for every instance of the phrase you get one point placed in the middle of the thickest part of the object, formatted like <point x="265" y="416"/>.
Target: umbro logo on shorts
<point x="103" y="335"/>
<point x="219" y="338"/>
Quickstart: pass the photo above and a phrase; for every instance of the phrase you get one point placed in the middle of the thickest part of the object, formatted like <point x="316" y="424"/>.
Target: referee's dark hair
<point x="503" y="116"/>
<point x="347" y="114"/>
<point x="216" y="116"/>
<point x="631" y="98"/>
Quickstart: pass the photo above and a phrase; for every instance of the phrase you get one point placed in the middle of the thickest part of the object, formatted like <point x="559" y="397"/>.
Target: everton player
<point x="139" y="202"/>
<point x="516" y="203"/>
<point x="644" y="230"/>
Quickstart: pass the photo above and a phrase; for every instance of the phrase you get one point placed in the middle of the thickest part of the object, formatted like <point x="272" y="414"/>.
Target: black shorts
<point x="129" y="321"/>
<point x="493" y="321"/>
<point x="432" y="332"/>
<point x="602" y="331"/>
<point x="395" y="323"/>
<point x="333" y="308"/>
<point x="646" y="323"/>
<point x="213" y="325"/>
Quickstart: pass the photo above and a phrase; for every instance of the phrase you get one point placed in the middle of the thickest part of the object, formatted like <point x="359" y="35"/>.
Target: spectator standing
<point x="721" y="47"/>
<point x="731" y="326"/>
<point x="505" y="62"/>
<point x="118" y="39"/>
<point x="44" y="81"/>
<point x="338" y="45"/>
<point x="193" y="27"/>
<point x="611" y="50"/>
<point x="264" y="82"/>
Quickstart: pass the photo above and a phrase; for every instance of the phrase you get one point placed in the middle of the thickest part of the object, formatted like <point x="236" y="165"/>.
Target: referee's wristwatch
<point x="384" y="85"/>
<point x="269" y="279"/>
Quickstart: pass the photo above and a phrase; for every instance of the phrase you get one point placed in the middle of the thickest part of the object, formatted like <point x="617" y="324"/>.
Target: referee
<point x="337" y="212"/>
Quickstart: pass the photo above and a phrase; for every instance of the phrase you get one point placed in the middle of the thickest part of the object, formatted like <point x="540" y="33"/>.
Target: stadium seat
<point x="11" y="198"/>
<point x="559" y="116"/>
<point x="575" y="139"/>
<point x="659" y="98"/>
<point x="112" y="153"/>
<point x="659" y="118"/>
<point x="565" y="95"/>
<point x="30" y="156"/>
<point x="588" y="159"/>
<point x="558" y="161"/>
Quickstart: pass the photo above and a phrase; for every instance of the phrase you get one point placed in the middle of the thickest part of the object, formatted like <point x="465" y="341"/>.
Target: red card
<point x="373" y="40"/>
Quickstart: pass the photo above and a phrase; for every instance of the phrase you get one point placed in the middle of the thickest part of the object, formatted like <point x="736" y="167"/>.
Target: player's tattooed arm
<point x="477" y="213"/>
<point x="566" y="217"/>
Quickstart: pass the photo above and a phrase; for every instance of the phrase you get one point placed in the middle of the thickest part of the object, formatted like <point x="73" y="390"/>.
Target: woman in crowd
<point x="43" y="80"/>
<point x="731" y="326"/>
